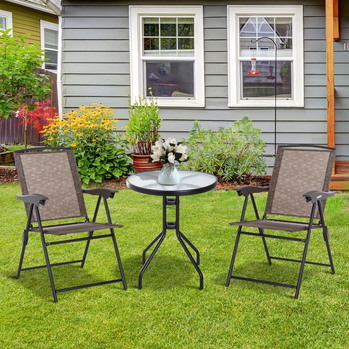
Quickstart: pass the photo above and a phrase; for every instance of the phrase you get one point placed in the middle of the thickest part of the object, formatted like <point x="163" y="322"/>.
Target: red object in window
<point x="253" y="70"/>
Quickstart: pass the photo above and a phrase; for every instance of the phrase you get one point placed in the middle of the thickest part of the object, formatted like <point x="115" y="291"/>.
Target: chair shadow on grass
<point x="283" y="272"/>
<point x="163" y="272"/>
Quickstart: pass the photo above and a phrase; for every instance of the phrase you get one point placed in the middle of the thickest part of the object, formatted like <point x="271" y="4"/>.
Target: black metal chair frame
<point x="316" y="198"/>
<point x="35" y="200"/>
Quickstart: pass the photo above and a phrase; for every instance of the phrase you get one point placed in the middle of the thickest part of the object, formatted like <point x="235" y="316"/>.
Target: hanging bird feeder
<point x="253" y="70"/>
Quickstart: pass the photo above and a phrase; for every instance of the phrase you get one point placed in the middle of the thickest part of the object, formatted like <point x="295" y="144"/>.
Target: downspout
<point x="59" y="68"/>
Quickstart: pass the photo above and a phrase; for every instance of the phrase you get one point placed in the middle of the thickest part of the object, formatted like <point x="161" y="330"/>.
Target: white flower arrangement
<point x="167" y="152"/>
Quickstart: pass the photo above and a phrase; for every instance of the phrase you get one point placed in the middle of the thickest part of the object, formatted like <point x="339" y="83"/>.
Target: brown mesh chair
<point x="298" y="188"/>
<point x="51" y="191"/>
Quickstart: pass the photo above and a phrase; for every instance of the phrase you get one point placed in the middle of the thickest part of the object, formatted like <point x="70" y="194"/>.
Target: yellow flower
<point x="66" y="130"/>
<point x="94" y="140"/>
<point x="79" y="134"/>
<point x="73" y="144"/>
<point x="82" y="108"/>
<point x="50" y="139"/>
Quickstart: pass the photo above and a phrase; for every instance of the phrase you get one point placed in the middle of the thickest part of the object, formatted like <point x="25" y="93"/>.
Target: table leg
<point x="148" y="247"/>
<point x="180" y="236"/>
<point x="145" y="266"/>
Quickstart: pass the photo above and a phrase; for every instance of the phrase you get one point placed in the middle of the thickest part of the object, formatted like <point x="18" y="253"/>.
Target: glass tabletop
<point x="191" y="183"/>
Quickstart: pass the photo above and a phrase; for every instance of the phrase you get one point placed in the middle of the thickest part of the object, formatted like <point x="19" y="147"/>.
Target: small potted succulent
<point x="142" y="131"/>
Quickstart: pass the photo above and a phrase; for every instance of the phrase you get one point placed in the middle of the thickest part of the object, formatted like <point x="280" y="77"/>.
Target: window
<point x="255" y="36"/>
<point x="49" y="43"/>
<point x="167" y="54"/>
<point x="5" y="20"/>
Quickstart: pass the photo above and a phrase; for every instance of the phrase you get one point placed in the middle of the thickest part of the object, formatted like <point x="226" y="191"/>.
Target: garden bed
<point x="8" y="174"/>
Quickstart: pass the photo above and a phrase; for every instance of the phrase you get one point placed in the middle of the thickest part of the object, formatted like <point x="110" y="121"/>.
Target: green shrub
<point x="99" y="153"/>
<point x="231" y="153"/>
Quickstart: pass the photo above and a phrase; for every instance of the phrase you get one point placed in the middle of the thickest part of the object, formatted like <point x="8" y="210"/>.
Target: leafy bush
<point x="19" y="80"/>
<point x="231" y="153"/>
<point x="89" y="130"/>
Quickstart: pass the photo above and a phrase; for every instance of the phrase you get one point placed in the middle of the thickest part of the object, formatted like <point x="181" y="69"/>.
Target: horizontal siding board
<point x="216" y="80"/>
<point x="96" y="45"/>
<point x="215" y="68"/>
<point x="93" y="79"/>
<point x="215" y="34"/>
<point x="315" y="80"/>
<point x="215" y="11"/>
<point x="315" y="91"/>
<point x="314" y="22"/>
<point x="95" y="11"/>
<point x="95" y="68"/>
<point x="216" y="57"/>
<point x="96" y="23"/>
<point x="96" y="57"/>
<point x="216" y="46"/>
<point x="113" y="102"/>
<point x="96" y="91"/>
<point x="315" y="57"/>
<point x="96" y="34"/>
<point x="214" y="23"/>
<point x="217" y="91"/>
<point x="318" y="34"/>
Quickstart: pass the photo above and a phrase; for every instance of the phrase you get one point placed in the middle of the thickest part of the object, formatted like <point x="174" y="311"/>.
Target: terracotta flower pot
<point x="140" y="163"/>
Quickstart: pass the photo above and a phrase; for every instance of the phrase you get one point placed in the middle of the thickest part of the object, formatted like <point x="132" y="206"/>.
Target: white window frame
<point x="8" y="16"/>
<point x="48" y="25"/>
<point x="234" y="78"/>
<point x="136" y="13"/>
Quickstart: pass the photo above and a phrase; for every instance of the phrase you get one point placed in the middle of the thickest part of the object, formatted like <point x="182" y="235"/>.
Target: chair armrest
<point x="250" y="189"/>
<point x="316" y="195"/>
<point x="36" y="199"/>
<point x="104" y="192"/>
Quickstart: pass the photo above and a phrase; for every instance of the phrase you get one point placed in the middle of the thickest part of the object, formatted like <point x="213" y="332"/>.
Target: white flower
<point x="183" y="157"/>
<point x="171" y="158"/>
<point x="167" y="145"/>
<point x="157" y="146"/>
<point x="180" y="148"/>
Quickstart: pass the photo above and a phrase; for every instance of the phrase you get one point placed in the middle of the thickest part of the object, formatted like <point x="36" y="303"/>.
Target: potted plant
<point x="142" y="131"/>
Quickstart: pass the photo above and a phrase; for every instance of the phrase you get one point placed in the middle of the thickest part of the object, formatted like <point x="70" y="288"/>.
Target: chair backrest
<point x="51" y="172"/>
<point x="297" y="170"/>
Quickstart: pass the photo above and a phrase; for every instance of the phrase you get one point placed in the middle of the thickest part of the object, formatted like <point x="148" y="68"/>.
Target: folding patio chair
<point x="51" y="191"/>
<point x="298" y="188"/>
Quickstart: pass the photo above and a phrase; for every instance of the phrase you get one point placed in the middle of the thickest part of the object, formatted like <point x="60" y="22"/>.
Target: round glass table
<point x="191" y="183"/>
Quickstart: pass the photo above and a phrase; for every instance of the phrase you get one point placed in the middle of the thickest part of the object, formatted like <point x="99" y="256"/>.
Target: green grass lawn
<point x="170" y="311"/>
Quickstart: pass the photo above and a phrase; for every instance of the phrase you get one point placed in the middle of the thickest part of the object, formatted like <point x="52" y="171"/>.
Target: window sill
<point x="180" y="103"/>
<point x="266" y="104"/>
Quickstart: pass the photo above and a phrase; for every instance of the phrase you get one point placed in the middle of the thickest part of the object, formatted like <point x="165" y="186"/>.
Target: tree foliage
<point x="20" y="84"/>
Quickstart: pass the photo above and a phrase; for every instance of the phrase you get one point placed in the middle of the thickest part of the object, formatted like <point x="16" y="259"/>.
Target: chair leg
<point x="48" y="265"/>
<point x="325" y="233"/>
<point x="90" y="234"/>
<point x="24" y="245"/>
<point x="233" y="257"/>
<point x="119" y="259"/>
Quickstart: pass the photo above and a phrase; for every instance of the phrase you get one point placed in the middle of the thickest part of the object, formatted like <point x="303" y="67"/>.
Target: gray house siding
<point x="96" y="69"/>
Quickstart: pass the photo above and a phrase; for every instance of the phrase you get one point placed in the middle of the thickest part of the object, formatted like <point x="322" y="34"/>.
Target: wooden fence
<point x="11" y="132"/>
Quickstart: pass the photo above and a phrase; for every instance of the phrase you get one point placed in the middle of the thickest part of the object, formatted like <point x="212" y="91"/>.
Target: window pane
<point x="170" y="79"/>
<point x="185" y="44"/>
<point x="3" y="23"/>
<point x="263" y="85"/>
<point x="284" y="26"/>
<point x="151" y="26"/>
<point x="265" y="26"/>
<point x="185" y="26"/>
<point x="52" y="62"/>
<point x="247" y="26"/>
<point x="168" y="44"/>
<point x="168" y="27"/>
<point x="51" y="39"/>
<point x="151" y="44"/>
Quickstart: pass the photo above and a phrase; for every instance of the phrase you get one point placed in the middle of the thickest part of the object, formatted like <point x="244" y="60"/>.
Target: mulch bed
<point x="9" y="174"/>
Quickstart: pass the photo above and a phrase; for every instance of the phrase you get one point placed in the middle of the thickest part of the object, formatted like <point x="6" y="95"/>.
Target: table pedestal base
<point x="183" y="240"/>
